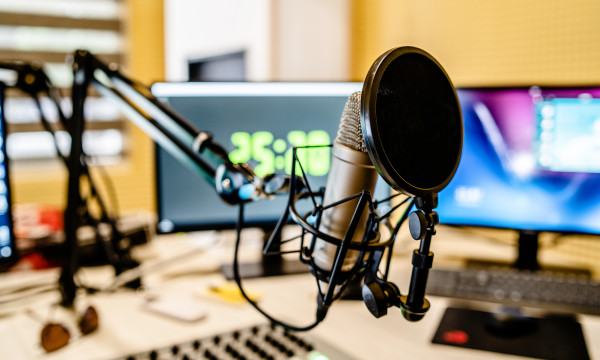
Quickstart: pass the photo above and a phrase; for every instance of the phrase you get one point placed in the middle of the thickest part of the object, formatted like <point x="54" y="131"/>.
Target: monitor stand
<point x="527" y="257"/>
<point x="269" y="265"/>
<point x="509" y="330"/>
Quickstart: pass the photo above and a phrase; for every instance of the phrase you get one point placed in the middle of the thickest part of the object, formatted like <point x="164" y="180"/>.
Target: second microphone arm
<point x="193" y="147"/>
<point x="234" y="183"/>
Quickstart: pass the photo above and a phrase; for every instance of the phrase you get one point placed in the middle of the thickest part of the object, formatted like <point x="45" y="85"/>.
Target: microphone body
<point x="350" y="173"/>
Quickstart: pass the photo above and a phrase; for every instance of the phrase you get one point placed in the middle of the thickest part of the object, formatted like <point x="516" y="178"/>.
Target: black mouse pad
<point x="558" y="337"/>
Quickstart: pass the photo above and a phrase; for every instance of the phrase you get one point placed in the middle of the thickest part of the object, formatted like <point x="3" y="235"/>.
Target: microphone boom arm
<point x="235" y="183"/>
<point x="169" y="129"/>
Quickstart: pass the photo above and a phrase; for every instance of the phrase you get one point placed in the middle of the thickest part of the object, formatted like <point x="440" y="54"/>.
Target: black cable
<point x="49" y="129"/>
<point x="116" y="257"/>
<point x="105" y="216"/>
<point x="236" y="276"/>
<point x="108" y="183"/>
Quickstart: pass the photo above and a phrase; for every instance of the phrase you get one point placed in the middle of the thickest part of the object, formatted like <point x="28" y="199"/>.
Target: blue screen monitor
<point x="258" y="123"/>
<point x="531" y="160"/>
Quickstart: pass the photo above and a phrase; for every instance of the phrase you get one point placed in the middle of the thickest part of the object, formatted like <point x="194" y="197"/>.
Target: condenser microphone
<point x="351" y="172"/>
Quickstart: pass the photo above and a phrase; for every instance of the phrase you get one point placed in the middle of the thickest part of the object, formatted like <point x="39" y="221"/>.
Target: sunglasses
<point x="55" y="336"/>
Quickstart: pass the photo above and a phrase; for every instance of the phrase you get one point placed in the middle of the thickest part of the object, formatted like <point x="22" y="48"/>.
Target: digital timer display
<point x="258" y="124"/>
<point x="273" y="155"/>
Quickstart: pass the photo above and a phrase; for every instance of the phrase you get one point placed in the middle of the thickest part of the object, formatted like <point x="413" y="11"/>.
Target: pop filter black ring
<point x="394" y="75"/>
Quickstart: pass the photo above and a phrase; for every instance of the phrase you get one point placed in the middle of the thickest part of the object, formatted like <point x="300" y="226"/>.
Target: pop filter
<point x="411" y="121"/>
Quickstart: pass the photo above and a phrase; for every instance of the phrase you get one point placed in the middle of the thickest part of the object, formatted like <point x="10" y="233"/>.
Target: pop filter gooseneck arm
<point x="413" y="131"/>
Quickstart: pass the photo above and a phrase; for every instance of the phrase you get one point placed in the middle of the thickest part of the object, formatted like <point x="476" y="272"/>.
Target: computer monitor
<point x="223" y="67"/>
<point x="8" y="253"/>
<point x="259" y="122"/>
<point x="530" y="162"/>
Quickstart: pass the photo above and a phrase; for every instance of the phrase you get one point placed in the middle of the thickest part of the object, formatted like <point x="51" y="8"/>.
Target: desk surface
<point x="125" y="327"/>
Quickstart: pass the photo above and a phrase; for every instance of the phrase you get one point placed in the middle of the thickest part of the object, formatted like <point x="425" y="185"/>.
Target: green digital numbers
<point x="243" y="144"/>
<point x="318" y="159"/>
<point x="273" y="155"/>
<point x="264" y="156"/>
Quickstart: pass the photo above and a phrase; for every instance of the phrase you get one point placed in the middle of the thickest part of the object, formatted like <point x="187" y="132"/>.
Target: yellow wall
<point x="145" y="55"/>
<point x="486" y="42"/>
<point x="477" y="42"/>
<point x="134" y="178"/>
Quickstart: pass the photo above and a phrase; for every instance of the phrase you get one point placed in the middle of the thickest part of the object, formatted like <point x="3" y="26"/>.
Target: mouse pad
<point x="557" y="337"/>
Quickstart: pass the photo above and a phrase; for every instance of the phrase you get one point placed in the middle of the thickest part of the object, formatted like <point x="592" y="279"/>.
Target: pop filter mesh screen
<point x="419" y="121"/>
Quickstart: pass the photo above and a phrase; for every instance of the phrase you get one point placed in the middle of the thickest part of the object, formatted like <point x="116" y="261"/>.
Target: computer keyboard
<point x="543" y="289"/>
<point x="261" y="342"/>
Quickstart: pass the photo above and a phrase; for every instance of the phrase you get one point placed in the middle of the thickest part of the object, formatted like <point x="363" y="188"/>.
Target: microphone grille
<point x="350" y="131"/>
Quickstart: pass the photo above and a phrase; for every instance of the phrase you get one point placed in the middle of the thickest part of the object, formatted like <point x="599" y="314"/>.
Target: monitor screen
<point x="7" y="239"/>
<point x="530" y="161"/>
<point x="258" y="123"/>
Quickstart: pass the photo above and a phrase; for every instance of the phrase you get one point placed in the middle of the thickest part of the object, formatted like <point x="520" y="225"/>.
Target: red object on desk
<point x="457" y="337"/>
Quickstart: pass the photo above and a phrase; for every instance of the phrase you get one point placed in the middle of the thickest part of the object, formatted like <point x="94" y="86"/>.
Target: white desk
<point x="125" y="328"/>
